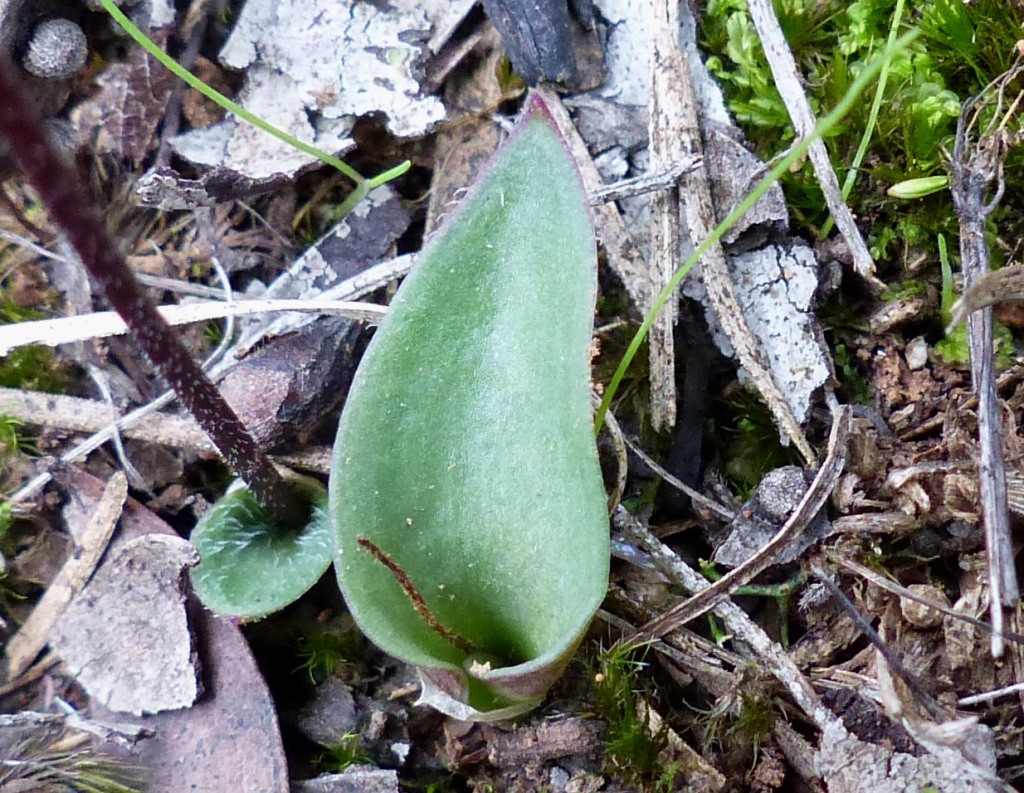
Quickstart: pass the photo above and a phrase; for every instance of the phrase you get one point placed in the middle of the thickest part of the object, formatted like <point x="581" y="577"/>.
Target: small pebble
<point x="917" y="353"/>
<point x="918" y="614"/>
<point x="400" y="749"/>
<point x="558" y="779"/>
<point x="57" y="50"/>
<point x="780" y="492"/>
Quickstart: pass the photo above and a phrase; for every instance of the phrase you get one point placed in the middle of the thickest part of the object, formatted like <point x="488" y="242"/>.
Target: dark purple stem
<point x="71" y="209"/>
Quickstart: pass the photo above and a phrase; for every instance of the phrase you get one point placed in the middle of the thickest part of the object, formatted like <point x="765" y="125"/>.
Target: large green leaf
<point x="465" y="451"/>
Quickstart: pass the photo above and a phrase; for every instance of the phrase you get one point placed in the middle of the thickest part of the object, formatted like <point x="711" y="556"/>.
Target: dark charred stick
<point x="71" y="209"/>
<point x="537" y="36"/>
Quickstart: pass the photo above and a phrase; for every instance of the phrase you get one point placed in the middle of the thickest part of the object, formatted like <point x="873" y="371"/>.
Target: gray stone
<point x="330" y="715"/>
<point x="57" y="49"/>
<point x="356" y="779"/>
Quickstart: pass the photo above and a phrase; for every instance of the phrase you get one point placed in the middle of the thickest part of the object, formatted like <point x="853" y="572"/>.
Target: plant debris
<point x="818" y="616"/>
<point x="126" y="636"/>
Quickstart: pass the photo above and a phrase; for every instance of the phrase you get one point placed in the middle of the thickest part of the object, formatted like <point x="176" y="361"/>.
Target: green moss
<point x="213" y="332"/>
<point x="963" y="47"/>
<point x="322" y="653"/>
<point x="855" y="386"/>
<point x="13" y="441"/>
<point x="631" y="749"/>
<point x="750" y="443"/>
<point x="33" y="368"/>
<point x="42" y="761"/>
<point x="902" y="289"/>
<point x="642" y="499"/>
<point x="755" y="720"/>
<point x="509" y="83"/>
<point x="955" y="350"/>
<point x="348" y="751"/>
<point x="6" y="521"/>
<point x="744" y="718"/>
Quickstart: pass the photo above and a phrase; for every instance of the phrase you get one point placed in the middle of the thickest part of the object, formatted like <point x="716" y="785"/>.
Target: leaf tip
<point x="536" y="107"/>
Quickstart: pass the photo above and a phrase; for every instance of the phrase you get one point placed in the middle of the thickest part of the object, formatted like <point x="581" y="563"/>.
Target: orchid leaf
<point x="466" y="497"/>
<point x="250" y="566"/>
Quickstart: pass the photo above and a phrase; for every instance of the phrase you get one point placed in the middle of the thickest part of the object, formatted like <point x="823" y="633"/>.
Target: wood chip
<point x="666" y="146"/>
<point x="126" y="637"/>
<point x="26" y="644"/>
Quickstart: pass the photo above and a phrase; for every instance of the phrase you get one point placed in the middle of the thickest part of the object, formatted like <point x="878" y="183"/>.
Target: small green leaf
<point x="465" y="455"/>
<point x="249" y="565"/>
<point x="918" y="188"/>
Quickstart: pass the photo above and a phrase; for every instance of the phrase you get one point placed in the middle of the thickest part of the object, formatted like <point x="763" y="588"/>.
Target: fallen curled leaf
<point x="121" y="118"/>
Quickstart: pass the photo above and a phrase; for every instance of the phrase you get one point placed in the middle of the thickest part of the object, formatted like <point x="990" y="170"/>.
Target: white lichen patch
<point x="312" y="68"/>
<point x="775" y="286"/>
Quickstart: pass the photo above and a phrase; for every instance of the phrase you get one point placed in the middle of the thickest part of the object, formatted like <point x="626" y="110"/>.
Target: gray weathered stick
<point x="975" y="167"/>
<point x="76" y="414"/>
<point x="699" y="214"/>
<point x="650" y="182"/>
<point x="666" y="146"/>
<point x="787" y="80"/>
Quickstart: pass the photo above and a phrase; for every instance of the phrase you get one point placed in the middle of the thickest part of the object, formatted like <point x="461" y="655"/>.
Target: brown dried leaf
<point x="122" y="117"/>
<point x="199" y="111"/>
<point x="464" y="146"/>
<point x="227" y="741"/>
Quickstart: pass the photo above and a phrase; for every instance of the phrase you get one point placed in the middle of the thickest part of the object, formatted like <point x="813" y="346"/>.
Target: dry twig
<point x="667" y="116"/>
<point x="976" y="168"/>
<point x="101" y="324"/>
